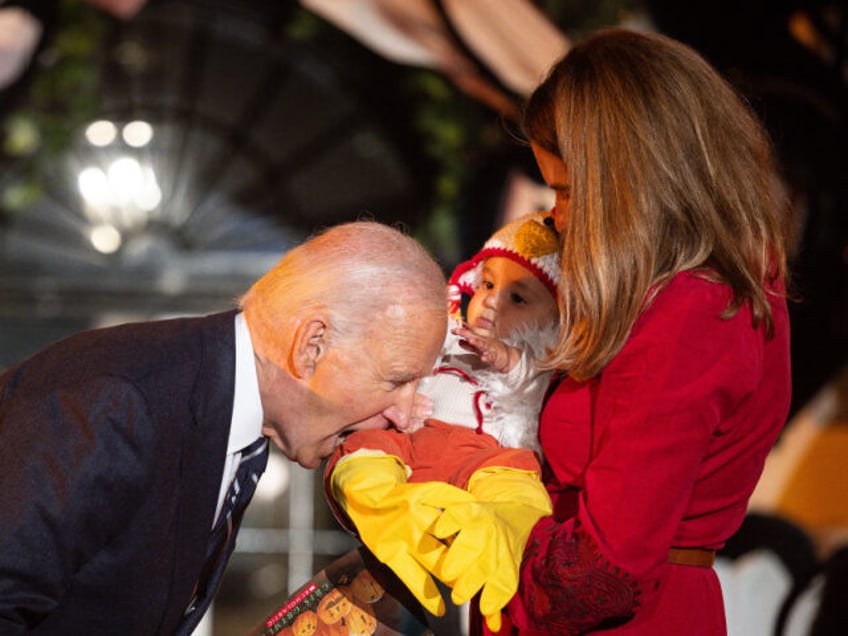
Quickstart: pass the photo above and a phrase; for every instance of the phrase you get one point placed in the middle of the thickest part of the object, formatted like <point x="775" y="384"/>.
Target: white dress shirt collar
<point x="246" y="424"/>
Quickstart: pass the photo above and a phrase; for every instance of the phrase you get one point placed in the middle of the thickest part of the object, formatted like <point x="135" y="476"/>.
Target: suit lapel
<point x="203" y="454"/>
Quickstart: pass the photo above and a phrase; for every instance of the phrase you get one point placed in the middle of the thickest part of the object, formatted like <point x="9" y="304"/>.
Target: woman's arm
<point x="655" y="410"/>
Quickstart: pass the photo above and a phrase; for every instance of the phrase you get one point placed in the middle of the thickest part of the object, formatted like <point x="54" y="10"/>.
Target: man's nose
<point x="399" y="413"/>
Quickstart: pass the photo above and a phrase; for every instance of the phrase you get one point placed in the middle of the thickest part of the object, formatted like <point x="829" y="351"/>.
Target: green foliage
<point x="303" y="26"/>
<point x="577" y="18"/>
<point x="455" y="131"/>
<point x="61" y="95"/>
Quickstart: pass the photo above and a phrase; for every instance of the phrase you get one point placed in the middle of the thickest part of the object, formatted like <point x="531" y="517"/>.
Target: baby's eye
<point x="517" y="299"/>
<point x="487" y="284"/>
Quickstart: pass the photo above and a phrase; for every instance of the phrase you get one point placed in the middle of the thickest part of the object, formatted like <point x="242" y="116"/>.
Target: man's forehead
<point x="409" y="353"/>
<point x="408" y="361"/>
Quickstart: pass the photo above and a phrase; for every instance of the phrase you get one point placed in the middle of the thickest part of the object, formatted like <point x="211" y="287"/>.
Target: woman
<point x="675" y="339"/>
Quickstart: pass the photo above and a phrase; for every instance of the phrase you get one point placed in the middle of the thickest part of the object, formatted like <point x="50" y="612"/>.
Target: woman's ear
<point x="309" y="346"/>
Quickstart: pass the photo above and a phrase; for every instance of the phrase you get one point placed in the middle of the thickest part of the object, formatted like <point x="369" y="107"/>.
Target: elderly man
<point x="127" y="453"/>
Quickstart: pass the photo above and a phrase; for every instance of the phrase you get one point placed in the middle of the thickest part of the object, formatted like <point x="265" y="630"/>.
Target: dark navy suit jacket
<point x="112" y="447"/>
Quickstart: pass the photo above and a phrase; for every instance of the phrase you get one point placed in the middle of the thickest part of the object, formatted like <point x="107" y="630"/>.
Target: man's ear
<point x="309" y="346"/>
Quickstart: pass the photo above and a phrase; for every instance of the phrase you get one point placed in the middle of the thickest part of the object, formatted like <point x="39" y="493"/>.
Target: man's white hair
<point x="361" y="274"/>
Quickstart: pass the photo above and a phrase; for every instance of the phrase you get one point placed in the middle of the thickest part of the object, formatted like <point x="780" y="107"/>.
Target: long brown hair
<point x="669" y="171"/>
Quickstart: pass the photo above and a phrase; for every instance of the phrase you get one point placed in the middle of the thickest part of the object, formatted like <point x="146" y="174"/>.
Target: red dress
<point x="661" y="450"/>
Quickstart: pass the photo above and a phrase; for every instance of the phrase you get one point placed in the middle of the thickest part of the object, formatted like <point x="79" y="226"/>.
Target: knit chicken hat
<point x="530" y="240"/>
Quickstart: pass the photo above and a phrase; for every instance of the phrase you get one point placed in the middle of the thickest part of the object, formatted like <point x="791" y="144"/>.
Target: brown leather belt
<point x="697" y="557"/>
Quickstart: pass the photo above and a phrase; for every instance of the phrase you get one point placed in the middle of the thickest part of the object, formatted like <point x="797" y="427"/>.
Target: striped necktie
<point x="222" y="540"/>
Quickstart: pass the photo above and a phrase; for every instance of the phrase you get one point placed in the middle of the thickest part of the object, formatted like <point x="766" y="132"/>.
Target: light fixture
<point x="101" y="133"/>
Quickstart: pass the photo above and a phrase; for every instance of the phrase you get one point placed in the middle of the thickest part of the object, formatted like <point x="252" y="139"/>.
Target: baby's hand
<point x="500" y="356"/>
<point x="422" y="408"/>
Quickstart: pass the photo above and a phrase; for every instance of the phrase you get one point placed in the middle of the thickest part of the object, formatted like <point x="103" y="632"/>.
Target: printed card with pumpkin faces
<point x="356" y="595"/>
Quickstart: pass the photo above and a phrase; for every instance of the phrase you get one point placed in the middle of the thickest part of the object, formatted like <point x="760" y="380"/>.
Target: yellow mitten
<point x="487" y="537"/>
<point x="394" y="518"/>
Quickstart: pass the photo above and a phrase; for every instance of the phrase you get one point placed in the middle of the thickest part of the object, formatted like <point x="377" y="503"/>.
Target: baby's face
<point x="509" y="297"/>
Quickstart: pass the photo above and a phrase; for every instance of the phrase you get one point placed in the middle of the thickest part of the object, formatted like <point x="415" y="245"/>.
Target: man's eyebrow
<point x="403" y="377"/>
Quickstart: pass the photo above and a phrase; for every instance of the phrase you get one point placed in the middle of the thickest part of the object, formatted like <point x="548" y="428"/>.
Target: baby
<point x="423" y="501"/>
<point x="511" y="321"/>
